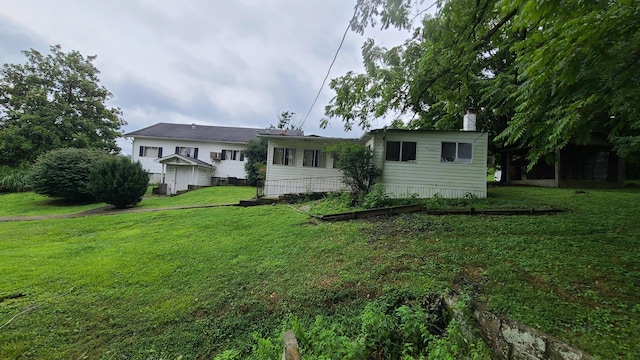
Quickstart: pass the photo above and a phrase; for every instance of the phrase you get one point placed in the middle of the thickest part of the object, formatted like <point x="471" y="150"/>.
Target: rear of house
<point x="449" y="164"/>
<point x="182" y="156"/>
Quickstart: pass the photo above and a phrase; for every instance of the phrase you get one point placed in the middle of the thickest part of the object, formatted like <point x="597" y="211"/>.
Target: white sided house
<point x="185" y="156"/>
<point x="450" y="164"/>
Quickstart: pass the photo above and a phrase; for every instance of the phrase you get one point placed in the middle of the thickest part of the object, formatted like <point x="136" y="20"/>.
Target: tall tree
<point x="540" y="72"/>
<point x="54" y="101"/>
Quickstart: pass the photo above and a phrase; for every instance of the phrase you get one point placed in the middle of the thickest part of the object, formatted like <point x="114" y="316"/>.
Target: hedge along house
<point x="450" y="164"/>
<point x="183" y="156"/>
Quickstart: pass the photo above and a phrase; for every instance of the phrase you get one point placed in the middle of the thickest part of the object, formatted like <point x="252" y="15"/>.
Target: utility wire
<point x="355" y="10"/>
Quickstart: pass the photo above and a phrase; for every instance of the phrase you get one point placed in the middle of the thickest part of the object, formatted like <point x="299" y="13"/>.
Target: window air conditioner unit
<point x="216" y="156"/>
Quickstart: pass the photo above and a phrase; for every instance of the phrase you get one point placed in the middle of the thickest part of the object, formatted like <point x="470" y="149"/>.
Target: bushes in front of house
<point x="119" y="182"/>
<point x="88" y="175"/>
<point x="64" y="173"/>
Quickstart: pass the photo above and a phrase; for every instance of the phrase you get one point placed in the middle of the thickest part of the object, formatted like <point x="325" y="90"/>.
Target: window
<point x="401" y="151"/>
<point x="284" y="156"/>
<point x="456" y="152"/>
<point x="187" y="151"/>
<point x="232" y="155"/>
<point x="314" y="158"/>
<point x="150" y="151"/>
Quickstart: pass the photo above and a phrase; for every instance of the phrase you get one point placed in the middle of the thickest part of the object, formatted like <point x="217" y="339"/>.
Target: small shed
<point x="181" y="173"/>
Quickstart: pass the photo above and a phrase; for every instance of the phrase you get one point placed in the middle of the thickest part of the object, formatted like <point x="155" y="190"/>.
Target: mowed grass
<point x="196" y="282"/>
<point x="28" y="204"/>
<point x="32" y="204"/>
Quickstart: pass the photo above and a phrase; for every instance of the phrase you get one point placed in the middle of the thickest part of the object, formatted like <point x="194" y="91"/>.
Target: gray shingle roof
<point x="203" y="132"/>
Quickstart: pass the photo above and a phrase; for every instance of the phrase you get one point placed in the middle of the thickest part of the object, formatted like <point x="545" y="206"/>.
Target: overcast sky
<point x="209" y="62"/>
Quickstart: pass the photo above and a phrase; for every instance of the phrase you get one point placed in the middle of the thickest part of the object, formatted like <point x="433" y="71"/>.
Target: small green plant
<point x="377" y="197"/>
<point x="436" y="201"/>
<point x="409" y="330"/>
<point x="119" y="182"/>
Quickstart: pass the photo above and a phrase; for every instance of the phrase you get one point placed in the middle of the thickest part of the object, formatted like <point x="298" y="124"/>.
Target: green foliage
<point x="64" y="173"/>
<point x="256" y="155"/>
<point x="376" y="198"/>
<point x="286" y="122"/>
<point x="51" y="102"/>
<point x="119" y="182"/>
<point x="229" y="355"/>
<point x="407" y="331"/>
<point x="14" y="179"/>
<point x="540" y="73"/>
<point x="356" y="163"/>
<point x="194" y="282"/>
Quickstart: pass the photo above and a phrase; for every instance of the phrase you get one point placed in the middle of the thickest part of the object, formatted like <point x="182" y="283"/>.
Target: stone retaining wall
<point x="509" y="339"/>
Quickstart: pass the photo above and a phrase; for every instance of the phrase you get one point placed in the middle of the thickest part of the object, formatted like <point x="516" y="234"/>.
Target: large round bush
<point x="119" y="182"/>
<point x="64" y="173"/>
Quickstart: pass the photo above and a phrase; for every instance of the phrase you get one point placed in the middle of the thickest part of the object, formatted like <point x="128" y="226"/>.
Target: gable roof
<point x="186" y="159"/>
<point x="203" y="132"/>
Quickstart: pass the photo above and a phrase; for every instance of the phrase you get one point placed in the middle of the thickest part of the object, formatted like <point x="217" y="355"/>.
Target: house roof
<point x="310" y="138"/>
<point x="205" y="132"/>
<point x="186" y="159"/>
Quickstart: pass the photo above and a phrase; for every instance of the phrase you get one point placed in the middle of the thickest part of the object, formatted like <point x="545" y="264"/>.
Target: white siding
<point x="285" y="179"/>
<point x="428" y="175"/>
<point x="223" y="168"/>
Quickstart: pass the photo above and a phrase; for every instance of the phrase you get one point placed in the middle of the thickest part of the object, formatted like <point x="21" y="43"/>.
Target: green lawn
<point x="195" y="282"/>
<point x="32" y="204"/>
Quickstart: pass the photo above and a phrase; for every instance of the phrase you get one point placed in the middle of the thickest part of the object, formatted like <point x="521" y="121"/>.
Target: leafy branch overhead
<point x="540" y="73"/>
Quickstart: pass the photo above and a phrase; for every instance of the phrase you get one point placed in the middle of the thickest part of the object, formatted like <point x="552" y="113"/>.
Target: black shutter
<point x="177" y="149"/>
<point x="195" y="153"/>
<point x="141" y="151"/>
<point x="160" y="152"/>
<point x="241" y="156"/>
<point x="224" y="155"/>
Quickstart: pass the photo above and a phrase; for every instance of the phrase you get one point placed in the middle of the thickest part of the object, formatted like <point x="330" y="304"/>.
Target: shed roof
<point x="204" y="132"/>
<point x="186" y="159"/>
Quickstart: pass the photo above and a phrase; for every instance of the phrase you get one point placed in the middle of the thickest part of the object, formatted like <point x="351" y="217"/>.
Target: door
<point x="182" y="178"/>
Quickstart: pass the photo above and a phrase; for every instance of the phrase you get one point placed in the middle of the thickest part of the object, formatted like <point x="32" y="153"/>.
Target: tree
<point x="64" y="173"/>
<point x="356" y="163"/>
<point x="286" y="122"/>
<point x="578" y="73"/>
<point x="539" y="73"/>
<point x="51" y="102"/>
<point x="256" y="155"/>
<point x="119" y="182"/>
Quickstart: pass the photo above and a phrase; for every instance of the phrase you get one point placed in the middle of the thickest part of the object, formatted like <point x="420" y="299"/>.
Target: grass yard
<point x="196" y="282"/>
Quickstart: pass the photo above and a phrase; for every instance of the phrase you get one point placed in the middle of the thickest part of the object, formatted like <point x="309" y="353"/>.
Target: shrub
<point x="356" y="163"/>
<point x="64" y="173"/>
<point x="14" y="179"/>
<point x="377" y="198"/>
<point x="119" y="182"/>
<point x="256" y="154"/>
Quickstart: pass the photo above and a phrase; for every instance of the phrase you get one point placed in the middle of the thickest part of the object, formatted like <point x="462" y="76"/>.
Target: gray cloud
<point x="236" y="63"/>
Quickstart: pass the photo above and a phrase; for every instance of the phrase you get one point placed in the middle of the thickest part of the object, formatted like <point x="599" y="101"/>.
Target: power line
<point x="355" y="10"/>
